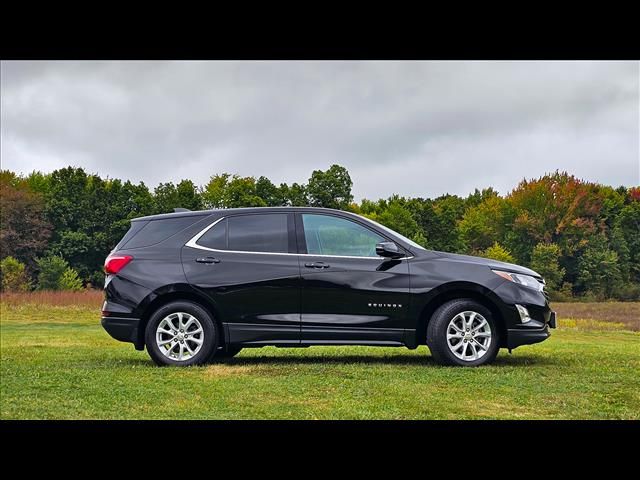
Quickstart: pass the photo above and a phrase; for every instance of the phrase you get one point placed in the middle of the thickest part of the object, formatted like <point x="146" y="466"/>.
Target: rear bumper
<point x="122" y="328"/>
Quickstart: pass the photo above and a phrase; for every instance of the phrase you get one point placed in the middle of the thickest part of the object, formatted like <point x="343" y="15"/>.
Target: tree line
<point x="583" y="237"/>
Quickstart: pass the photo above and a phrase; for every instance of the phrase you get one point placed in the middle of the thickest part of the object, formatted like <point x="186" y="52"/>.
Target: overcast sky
<point x="413" y="128"/>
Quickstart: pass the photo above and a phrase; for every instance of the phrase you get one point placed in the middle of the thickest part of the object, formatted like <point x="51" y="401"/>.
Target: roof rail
<point x="176" y="210"/>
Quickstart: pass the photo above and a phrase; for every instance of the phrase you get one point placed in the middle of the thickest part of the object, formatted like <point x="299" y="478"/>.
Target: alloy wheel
<point x="469" y="336"/>
<point x="179" y="336"/>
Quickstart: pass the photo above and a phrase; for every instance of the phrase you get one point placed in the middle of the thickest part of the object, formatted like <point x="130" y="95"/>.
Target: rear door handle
<point x="207" y="260"/>
<point x="317" y="265"/>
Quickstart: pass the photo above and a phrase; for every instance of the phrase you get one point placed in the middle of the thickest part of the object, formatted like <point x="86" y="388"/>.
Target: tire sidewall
<point x="209" y="327"/>
<point x="438" y="333"/>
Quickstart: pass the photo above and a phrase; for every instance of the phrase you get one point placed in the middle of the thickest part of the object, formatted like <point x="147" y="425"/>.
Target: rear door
<point x="247" y="264"/>
<point x="349" y="294"/>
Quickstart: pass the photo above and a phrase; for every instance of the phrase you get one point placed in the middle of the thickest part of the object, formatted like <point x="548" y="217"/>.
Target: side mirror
<point x="388" y="249"/>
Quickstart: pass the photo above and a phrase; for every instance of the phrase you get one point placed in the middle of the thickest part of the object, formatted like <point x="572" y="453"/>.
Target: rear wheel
<point x="181" y="333"/>
<point x="463" y="332"/>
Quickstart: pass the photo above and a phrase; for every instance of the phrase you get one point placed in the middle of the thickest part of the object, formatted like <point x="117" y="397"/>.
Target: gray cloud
<point x="414" y="128"/>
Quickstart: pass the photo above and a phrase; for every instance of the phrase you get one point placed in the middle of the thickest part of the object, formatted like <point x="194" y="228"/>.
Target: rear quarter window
<point x="156" y="231"/>
<point x="132" y="232"/>
<point x="215" y="237"/>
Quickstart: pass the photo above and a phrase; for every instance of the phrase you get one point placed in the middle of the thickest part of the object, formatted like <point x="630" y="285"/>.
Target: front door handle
<point x="317" y="265"/>
<point x="207" y="260"/>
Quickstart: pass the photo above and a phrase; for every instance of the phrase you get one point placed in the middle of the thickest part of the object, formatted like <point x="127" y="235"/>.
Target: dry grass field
<point x="625" y="313"/>
<point x="84" y="298"/>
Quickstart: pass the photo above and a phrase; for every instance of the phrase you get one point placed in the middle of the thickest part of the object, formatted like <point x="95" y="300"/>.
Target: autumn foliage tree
<point x="25" y="230"/>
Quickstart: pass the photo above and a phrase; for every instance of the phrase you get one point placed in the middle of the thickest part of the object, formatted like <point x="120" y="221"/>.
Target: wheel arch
<point x="160" y="298"/>
<point x="455" y="291"/>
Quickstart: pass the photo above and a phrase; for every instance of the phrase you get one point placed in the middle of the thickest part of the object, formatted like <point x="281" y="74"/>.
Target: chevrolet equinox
<point x="196" y="287"/>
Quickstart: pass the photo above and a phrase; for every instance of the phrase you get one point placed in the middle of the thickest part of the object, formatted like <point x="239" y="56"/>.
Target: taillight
<point x="114" y="263"/>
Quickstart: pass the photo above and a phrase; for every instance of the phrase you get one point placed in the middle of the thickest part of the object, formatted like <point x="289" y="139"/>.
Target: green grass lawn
<point x="58" y="363"/>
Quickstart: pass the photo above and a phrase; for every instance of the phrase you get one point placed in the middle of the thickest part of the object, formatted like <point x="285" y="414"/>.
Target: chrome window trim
<point x="193" y="243"/>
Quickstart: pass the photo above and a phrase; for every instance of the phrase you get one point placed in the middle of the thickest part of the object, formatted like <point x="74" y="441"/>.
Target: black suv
<point x="195" y="287"/>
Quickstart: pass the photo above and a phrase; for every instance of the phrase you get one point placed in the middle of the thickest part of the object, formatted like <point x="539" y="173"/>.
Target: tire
<point x="224" y="352"/>
<point x="163" y="326"/>
<point x="481" y="338"/>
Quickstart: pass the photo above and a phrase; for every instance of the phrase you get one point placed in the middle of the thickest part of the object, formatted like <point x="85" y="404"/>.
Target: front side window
<point x="249" y="233"/>
<point x="329" y="235"/>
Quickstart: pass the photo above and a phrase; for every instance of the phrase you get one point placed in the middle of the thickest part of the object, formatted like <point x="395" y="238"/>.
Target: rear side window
<point x="259" y="233"/>
<point x="250" y="233"/>
<point x="155" y="231"/>
<point x="216" y="236"/>
<point x="133" y="230"/>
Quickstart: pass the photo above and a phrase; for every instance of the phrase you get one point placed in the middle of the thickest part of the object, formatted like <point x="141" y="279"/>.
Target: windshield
<point x="393" y="232"/>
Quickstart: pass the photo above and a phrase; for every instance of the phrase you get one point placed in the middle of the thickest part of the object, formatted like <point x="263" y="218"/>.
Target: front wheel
<point x="182" y="334"/>
<point x="463" y="332"/>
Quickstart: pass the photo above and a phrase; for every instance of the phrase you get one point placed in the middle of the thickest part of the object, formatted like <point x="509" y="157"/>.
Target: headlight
<point x="526" y="280"/>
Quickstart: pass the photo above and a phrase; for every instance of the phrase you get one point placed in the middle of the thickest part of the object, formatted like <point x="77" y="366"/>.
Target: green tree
<point x="52" y="268"/>
<point x="69" y="280"/>
<point x="498" y="252"/>
<point x="122" y="202"/>
<point x="438" y="221"/>
<point x="479" y="196"/>
<point x="330" y="188"/>
<point x="241" y="192"/>
<point x="90" y="214"/>
<point x="227" y="191"/>
<point x="38" y="182"/>
<point x="420" y="239"/>
<point x="627" y="237"/>
<point x="68" y="205"/>
<point x="269" y="193"/>
<point x="396" y="217"/>
<point x="483" y="224"/>
<point x="13" y="276"/>
<point x="618" y="243"/>
<point x="214" y="192"/>
<point x="545" y="260"/>
<point x="168" y="196"/>
<point x="599" y="272"/>
<point x="81" y="251"/>
<point x="294" y="195"/>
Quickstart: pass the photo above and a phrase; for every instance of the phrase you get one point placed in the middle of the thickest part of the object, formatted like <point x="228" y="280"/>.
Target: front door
<point x="349" y="294"/>
<point x="247" y="264"/>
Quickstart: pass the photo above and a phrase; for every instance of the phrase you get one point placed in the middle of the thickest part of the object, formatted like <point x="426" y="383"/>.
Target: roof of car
<point x="228" y="211"/>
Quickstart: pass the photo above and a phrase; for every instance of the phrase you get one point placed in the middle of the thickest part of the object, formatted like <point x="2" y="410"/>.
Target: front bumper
<point x="518" y="337"/>
<point x="534" y="331"/>
<point x="122" y="328"/>
<point x="542" y="318"/>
